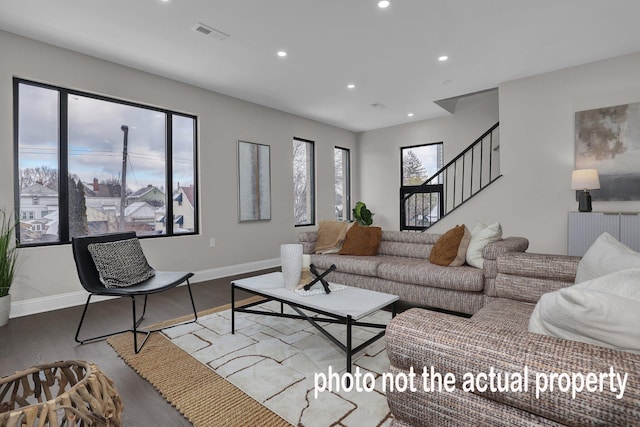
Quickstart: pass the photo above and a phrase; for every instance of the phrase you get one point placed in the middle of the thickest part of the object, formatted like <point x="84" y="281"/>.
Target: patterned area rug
<point x="279" y="362"/>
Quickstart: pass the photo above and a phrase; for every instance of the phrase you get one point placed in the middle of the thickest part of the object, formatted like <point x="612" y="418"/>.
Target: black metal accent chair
<point x="90" y="279"/>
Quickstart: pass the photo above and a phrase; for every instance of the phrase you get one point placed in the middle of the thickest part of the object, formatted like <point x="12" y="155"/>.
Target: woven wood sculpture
<point x="67" y="393"/>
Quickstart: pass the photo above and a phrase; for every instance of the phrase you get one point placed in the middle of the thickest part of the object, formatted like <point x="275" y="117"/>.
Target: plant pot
<point x="5" y="308"/>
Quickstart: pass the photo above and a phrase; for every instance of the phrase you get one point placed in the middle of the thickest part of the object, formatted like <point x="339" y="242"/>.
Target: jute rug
<point x="265" y="374"/>
<point x="191" y="387"/>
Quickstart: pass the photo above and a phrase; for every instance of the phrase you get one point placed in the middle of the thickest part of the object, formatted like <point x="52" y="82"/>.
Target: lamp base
<point x="584" y="202"/>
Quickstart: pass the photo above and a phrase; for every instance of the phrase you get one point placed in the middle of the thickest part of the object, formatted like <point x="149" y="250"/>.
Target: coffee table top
<point x="354" y="302"/>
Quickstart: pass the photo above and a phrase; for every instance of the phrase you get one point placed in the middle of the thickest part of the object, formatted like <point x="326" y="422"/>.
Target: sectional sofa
<point x="496" y="339"/>
<point x="401" y="267"/>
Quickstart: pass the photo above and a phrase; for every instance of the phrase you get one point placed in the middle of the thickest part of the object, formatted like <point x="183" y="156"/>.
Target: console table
<point x="585" y="227"/>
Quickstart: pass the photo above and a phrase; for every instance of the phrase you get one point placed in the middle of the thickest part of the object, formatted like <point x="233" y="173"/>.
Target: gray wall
<point x="533" y="198"/>
<point x="49" y="271"/>
<point x="380" y="150"/>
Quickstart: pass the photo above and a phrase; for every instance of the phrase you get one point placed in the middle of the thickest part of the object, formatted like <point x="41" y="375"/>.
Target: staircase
<point x="470" y="172"/>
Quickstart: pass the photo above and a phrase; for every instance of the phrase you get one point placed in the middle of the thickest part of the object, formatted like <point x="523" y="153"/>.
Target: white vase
<point x="291" y="260"/>
<point x="5" y="308"/>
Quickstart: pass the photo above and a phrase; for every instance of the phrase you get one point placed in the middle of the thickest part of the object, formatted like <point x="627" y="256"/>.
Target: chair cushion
<point x="121" y="263"/>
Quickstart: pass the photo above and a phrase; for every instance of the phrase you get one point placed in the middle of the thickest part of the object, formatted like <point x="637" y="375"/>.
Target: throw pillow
<point x="481" y="236"/>
<point x="331" y="235"/>
<point x="605" y="256"/>
<point x="361" y="240"/>
<point x="451" y="248"/>
<point x="603" y="311"/>
<point x="121" y="263"/>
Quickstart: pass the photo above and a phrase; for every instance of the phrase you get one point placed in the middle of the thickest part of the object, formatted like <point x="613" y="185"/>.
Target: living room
<point x="532" y="199"/>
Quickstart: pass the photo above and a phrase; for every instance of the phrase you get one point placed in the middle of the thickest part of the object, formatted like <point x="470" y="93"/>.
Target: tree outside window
<point x="303" y="182"/>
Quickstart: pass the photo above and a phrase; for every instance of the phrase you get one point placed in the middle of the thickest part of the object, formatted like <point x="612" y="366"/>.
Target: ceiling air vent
<point x="378" y="105"/>
<point x="210" y="31"/>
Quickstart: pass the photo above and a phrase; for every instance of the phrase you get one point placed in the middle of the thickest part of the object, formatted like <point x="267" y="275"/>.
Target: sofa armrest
<point x="526" y="276"/>
<point x="308" y="240"/>
<point x="508" y="244"/>
<point x="490" y="254"/>
<point x="419" y="338"/>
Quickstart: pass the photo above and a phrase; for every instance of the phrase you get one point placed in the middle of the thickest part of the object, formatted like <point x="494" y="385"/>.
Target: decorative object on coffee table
<point x="320" y="278"/>
<point x="291" y="261"/>
<point x="65" y="393"/>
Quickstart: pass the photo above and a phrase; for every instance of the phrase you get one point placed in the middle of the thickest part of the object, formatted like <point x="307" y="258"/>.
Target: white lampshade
<point x="585" y="179"/>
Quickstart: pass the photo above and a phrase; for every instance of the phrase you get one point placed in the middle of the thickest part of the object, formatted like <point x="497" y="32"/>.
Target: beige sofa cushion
<point x="421" y="272"/>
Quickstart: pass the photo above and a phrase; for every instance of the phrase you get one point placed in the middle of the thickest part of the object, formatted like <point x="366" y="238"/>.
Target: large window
<point x="342" y="183"/>
<point x="303" y="182"/>
<point x="96" y="165"/>
<point x="419" y="163"/>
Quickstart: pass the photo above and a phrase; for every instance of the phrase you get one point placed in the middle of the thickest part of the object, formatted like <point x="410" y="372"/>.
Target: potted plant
<point x="8" y="256"/>
<point x="362" y="215"/>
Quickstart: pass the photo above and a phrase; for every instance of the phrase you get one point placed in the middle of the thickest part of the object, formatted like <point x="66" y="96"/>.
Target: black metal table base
<point x="348" y="321"/>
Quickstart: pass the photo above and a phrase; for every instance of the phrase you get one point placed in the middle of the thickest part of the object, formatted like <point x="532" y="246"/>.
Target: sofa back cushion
<point x="406" y="244"/>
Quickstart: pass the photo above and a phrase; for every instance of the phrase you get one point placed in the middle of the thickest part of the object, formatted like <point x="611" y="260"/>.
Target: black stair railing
<point x="470" y="172"/>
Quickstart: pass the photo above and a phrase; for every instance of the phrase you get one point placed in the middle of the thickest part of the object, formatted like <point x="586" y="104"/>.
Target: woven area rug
<point x="264" y="374"/>
<point x="183" y="381"/>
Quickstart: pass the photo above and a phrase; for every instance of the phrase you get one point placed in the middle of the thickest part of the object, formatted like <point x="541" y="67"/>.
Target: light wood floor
<point x="49" y="337"/>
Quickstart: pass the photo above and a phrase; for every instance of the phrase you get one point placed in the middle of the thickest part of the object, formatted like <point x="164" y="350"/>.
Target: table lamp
<point x="585" y="180"/>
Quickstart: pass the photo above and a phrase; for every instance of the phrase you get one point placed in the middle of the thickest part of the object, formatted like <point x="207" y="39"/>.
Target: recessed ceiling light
<point x="383" y="4"/>
<point x="443" y="58"/>
<point x="351" y="86"/>
<point x="410" y="115"/>
<point x="282" y="53"/>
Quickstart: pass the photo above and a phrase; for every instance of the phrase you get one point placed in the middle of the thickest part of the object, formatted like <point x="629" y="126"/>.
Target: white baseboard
<point x="72" y="299"/>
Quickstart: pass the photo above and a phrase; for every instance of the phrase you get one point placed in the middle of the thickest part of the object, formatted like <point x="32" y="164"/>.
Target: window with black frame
<point x="303" y="182"/>
<point x="342" y="168"/>
<point x="420" y="202"/>
<point x="94" y="165"/>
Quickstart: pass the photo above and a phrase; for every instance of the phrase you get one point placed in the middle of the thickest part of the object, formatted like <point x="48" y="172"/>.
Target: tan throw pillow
<point x="361" y="241"/>
<point x="331" y="235"/>
<point x="451" y="248"/>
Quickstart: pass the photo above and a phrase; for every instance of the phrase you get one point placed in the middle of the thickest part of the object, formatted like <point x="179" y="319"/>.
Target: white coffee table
<point x="346" y="306"/>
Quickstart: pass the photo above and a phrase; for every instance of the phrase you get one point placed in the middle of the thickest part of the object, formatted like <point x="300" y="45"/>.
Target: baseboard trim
<point x="72" y="299"/>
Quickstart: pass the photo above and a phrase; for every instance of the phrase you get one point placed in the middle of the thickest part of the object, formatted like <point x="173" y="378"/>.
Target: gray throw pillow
<point x="121" y="263"/>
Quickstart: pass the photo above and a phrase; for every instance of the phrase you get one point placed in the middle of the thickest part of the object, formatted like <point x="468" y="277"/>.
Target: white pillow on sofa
<point x="481" y="236"/>
<point x="604" y="311"/>
<point x="605" y="256"/>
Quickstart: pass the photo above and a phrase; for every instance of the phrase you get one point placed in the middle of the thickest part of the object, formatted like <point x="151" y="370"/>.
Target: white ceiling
<point x="390" y="55"/>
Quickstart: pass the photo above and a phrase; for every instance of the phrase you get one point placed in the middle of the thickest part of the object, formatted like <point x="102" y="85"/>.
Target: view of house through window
<point x="303" y="182"/>
<point x="342" y="183"/>
<point x="419" y="163"/>
<point x="123" y="167"/>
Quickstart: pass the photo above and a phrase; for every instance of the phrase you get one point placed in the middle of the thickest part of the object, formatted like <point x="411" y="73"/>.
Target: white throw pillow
<point x="481" y="236"/>
<point x="604" y="311"/>
<point x="606" y="255"/>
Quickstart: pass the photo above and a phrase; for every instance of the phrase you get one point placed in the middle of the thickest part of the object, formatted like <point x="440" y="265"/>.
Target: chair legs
<point x="136" y="322"/>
